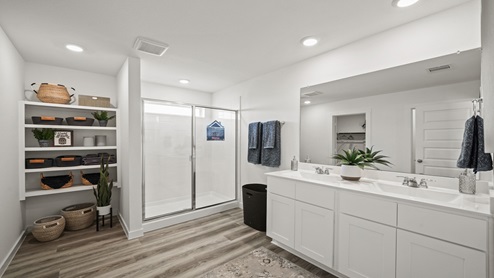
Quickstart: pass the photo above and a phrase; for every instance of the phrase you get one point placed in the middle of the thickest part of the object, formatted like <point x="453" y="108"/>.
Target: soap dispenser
<point x="294" y="164"/>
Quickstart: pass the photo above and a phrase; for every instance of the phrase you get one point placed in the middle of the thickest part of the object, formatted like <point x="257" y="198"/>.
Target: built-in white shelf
<point x="74" y="188"/>
<point x="49" y="149"/>
<point x="72" y="168"/>
<point x="73" y="127"/>
<point x="69" y="106"/>
<point x="30" y="108"/>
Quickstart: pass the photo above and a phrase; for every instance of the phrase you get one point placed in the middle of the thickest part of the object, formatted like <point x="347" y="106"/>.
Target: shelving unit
<point x="28" y="147"/>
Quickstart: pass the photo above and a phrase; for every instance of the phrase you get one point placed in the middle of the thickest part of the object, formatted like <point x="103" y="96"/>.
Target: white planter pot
<point x="104" y="210"/>
<point x="350" y="172"/>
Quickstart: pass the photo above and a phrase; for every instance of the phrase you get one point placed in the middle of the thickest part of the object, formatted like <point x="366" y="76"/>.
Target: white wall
<point x="85" y="83"/>
<point x="487" y="75"/>
<point x="11" y="90"/>
<point x="390" y="125"/>
<point x="175" y="94"/>
<point x="130" y="140"/>
<point x="276" y="94"/>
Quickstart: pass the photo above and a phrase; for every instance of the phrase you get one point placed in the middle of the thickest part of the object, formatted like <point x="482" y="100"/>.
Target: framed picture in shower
<point x="215" y="132"/>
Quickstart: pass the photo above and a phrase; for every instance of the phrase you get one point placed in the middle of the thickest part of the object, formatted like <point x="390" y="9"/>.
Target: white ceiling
<point x="214" y="43"/>
<point x="464" y="66"/>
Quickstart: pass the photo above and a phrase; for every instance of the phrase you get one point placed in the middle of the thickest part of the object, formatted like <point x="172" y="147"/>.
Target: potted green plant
<point x="103" y="190"/>
<point x="45" y="136"/>
<point x="102" y="117"/>
<point x="353" y="161"/>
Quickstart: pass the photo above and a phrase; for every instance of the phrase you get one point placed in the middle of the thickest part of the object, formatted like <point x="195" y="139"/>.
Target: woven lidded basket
<point x="90" y="179"/>
<point x="53" y="93"/>
<point x="48" y="228"/>
<point x="79" y="216"/>
<point x="56" y="182"/>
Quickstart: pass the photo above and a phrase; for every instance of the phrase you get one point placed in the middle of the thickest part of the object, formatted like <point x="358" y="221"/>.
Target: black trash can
<point x="254" y="198"/>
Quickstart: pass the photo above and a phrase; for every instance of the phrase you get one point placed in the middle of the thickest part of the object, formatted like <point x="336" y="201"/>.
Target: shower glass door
<point x="215" y="156"/>
<point x="189" y="156"/>
<point x="167" y="149"/>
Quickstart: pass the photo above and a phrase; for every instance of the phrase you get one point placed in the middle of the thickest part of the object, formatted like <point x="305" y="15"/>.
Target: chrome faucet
<point x="410" y="182"/>
<point x="423" y="183"/>
<point x="322" y="170"/>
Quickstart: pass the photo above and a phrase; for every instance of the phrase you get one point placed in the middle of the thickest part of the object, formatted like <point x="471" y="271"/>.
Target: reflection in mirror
<point x="415" y="113"/>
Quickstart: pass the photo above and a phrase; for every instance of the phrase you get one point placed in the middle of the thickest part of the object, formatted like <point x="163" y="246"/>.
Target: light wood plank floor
<point x="185" y="250"/>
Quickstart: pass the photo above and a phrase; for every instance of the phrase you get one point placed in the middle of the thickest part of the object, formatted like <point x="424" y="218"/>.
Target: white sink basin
<point x="423" y="193"/>
<point x="316" y="177"/>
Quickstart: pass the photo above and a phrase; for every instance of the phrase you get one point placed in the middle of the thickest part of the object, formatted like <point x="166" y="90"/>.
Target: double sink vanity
<point x="379" y="227"/>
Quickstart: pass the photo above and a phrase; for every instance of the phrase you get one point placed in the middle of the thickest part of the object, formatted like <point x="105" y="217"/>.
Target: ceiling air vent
<point x="150" y="47"/>
<point x="444" y="67"/>
<point x="312" y="93"/>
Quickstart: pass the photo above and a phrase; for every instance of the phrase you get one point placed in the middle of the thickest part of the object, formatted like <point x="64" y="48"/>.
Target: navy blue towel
<point x="254" y="143"/>
<point x="472" y="148"/>
<point x="271" y="144"/>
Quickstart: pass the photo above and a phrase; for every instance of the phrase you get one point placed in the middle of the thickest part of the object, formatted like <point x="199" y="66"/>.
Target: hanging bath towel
<point x="472" y="148"/>
<point x="254" y="143"/>
<point x="271" y="144"/>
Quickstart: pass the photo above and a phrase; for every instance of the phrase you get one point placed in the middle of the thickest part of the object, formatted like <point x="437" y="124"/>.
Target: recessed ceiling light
<point x="307" y="102"/>
<point x="309" y="41"/>
<point x="184" y="81"/>
<point x="75" y="48"/>
<point x="403" y="3"/>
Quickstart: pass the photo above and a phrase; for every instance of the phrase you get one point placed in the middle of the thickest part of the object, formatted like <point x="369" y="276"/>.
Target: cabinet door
<point x="281" y="219"/>
<point x="366" y="249"/>
<point x="314" y="232"/>
<point x="424" y="257"/>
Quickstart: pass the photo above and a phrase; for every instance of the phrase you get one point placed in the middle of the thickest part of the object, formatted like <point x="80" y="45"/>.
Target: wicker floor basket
<point x="79" y="216"/>
<point x="48" y="228"/>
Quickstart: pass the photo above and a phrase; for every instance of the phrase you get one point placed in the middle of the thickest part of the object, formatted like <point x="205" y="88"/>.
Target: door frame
<point x="192" y="156"/>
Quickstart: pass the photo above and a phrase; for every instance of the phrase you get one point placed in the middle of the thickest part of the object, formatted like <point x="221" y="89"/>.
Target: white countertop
<point x="478" y="204"/>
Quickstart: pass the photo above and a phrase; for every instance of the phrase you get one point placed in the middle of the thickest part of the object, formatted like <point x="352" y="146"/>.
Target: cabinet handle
<point x="67" y="158"/>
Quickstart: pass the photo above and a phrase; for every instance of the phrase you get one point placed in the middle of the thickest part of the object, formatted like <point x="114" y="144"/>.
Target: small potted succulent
<point x="102" y="117"/>
<point x="103" y="190"/>
<point x="353" y="161"/>
<point x="45" y="136"/>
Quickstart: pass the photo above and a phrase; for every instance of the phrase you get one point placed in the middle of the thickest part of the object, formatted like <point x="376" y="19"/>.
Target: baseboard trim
<point x="12" y="252"/>
<point x="128" y="233"/>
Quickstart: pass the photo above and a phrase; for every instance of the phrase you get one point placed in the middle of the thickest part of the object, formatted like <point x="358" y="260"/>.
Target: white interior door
<point x="438" y="136"/>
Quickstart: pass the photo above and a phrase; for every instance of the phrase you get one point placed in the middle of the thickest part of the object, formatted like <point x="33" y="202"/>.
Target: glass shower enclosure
<point x="189" y="157"/>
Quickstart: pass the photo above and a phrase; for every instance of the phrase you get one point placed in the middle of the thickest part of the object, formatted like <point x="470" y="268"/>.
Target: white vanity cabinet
<point x="459" y="253"/>
<point x="314" y="232"/>
<point x="300" y="216"/>
<point x="281" y="219"/>
<point x="351" y="232"/>
<point x="367" y="236"/>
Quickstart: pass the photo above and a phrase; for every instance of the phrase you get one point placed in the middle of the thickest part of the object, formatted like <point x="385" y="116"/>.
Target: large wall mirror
<point x="414" y="113"/>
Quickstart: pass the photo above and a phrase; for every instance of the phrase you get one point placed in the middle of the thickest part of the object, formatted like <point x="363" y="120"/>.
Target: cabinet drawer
<point x="315" y="194"/>
<point x="281" y="187"/>
<point x="451" y="227"/>
<point x="369" y="208"/>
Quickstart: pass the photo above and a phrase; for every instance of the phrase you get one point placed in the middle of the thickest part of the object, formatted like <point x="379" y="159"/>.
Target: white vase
<point x="104" y="210"/>
<point x="350" y="172"/>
